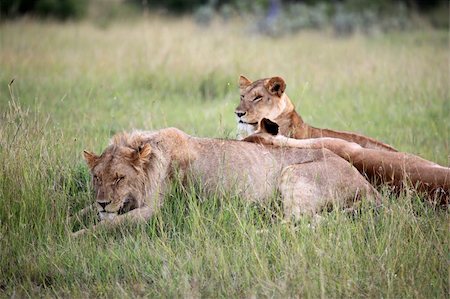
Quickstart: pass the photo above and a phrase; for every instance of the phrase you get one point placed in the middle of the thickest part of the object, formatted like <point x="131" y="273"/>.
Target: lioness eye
<point x="257" y="98"/>
<point x="242" y="97"/>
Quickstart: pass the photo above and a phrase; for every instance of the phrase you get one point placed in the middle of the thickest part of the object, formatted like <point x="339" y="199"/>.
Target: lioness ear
<point x="268" y="126"/>
<point x="91" y="159"/>
<point x="276" y="86"/>
<point x="244" y="81"/>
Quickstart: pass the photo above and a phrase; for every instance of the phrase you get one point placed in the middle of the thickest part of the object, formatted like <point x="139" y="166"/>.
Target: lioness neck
<point x="292" y="125"/>
<point x="290" y="122"/>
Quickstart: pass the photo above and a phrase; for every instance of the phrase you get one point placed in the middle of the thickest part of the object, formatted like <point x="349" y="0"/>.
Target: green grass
<point x="77" y="84"/>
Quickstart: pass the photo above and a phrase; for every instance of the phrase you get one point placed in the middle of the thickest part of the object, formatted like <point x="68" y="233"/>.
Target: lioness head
<point x="119" y="176"/>
<point x="261" y="98"/>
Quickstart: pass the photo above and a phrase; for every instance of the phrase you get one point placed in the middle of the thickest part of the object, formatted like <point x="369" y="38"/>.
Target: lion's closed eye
<point x="97" y="180"/>
<point x="119" y="179"/>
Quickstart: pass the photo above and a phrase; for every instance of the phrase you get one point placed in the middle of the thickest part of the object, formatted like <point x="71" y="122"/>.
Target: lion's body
<point x="252" y="172"/>
<point x="276" y="106"/>
<point x="307" y="179"/>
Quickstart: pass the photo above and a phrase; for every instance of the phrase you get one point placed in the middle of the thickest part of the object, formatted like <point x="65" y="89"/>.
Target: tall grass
<point x="76" y="85"/>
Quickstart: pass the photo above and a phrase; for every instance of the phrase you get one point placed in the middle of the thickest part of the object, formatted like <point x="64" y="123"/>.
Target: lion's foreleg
<point x="140" y="215"/>
<point x="78" y="215"/>
<point x="344" y="149"/>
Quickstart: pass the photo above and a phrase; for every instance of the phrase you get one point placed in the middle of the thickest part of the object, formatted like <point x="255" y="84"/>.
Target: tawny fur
<point x="381" y="167"/>
<point x="131" y="177"/>
<point x="266" y="98"/>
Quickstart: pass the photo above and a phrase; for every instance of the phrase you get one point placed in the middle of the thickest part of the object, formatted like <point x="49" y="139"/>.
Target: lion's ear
<point x="91" y="159"/>
<point x="276" y="86"/>
<point x="244" y="81"/>
<point x="139" y="155"/>
<point x="268" y="126"/>
<point x="144" y="152"/>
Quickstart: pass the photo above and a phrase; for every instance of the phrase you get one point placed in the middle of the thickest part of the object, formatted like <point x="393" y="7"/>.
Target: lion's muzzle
<point x="103" y="204"/>
<point x="106" y="215"/>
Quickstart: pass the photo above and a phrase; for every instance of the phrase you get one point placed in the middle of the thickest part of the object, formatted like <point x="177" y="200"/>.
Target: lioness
<point x="132" y="175"/>
<point x="266" y="98"/>
<point x="392" y="168"/>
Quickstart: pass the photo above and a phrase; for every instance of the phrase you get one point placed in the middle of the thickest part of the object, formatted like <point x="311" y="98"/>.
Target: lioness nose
<point x="103" y="204"/>
<point x="240" y="113"/>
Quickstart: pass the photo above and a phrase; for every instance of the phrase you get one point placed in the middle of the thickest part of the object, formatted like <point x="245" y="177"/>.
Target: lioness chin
<point x="132" y="176"/>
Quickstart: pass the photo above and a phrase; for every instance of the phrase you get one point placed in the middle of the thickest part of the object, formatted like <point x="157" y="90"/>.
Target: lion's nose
<point x="103" y="204"/>
<point x="240" y="113"/>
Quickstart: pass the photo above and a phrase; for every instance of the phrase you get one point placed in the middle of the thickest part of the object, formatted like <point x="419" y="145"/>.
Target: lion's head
<point x="121" y="175"/>
<point x="259" y="99"/>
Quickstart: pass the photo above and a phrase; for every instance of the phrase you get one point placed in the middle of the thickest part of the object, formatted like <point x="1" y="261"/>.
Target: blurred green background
<point x="344" y="15"/>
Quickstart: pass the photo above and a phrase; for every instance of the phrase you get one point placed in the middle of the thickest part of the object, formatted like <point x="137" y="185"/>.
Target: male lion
<point x="265" y="98"/>
<point x="133" y="174"/>
<point x="392" y="168"/>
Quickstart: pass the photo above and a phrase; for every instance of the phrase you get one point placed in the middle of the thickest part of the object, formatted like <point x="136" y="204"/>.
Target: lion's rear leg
<point x="308" y="188"/>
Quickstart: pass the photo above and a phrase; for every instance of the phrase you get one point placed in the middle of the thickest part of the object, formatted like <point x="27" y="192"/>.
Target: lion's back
<point x="249" y="169"/>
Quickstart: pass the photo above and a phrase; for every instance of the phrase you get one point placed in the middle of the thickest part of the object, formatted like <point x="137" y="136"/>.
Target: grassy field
<point x="76" y="84"/>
